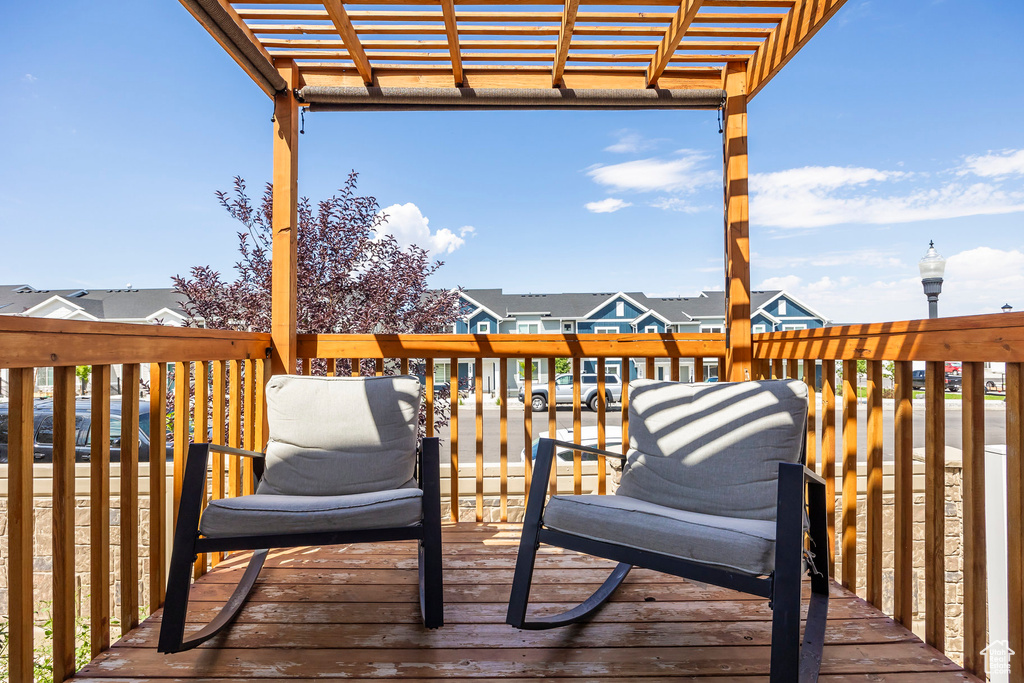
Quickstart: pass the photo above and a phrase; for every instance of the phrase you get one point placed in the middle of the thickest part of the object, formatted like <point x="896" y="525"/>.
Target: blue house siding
<point x="792" y="309"/>
<point x="649" y="321"/>
<point x="759" y="319"/>
<point x="587" y="326"/>
<point x="629" y="313"/>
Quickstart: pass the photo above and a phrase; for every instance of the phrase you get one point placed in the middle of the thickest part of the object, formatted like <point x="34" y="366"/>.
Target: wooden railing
<point x="168" y="354"/>
<point x="973" y="341"/>
<point x="228" y="372"/>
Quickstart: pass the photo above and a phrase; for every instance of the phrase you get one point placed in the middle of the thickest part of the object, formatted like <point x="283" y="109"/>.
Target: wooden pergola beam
<point x="284" y="279"/>
<point x="451" y="28"/>
<point x="799" y="26"/>
<point x="676" y="30"/>
<point x="515" y="16"/>
<point x="343" y="24"/>
<point x="565" y="32"/>
<point x="739" y="345"/>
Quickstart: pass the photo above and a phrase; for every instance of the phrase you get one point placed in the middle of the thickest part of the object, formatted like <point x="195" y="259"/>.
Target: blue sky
<point x="899" y="123"/>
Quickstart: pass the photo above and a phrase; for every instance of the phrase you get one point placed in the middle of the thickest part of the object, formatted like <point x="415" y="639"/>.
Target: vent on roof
<point x="24" y="290"/>
<point x="78" y="294"/>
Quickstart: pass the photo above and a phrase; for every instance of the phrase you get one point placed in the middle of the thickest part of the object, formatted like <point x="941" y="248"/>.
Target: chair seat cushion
<point x="735" y="543"/>
<point x="275" y="514"/>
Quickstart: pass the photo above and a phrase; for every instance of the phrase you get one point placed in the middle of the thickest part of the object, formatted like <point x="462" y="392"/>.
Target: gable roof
<point x="101" y="304"/>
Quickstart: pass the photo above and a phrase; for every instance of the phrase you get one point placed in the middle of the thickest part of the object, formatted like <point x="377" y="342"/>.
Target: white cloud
<point x="467" y="231"/>
<point x="856" y="257"/>
<point x="630" y="142"/>
<point x="410" y="227"/>
<point x="610" y="205"/>
<point x="993" y="165"/>
<point x="29" y="78"/>
<point x="676" y="204"/>
<point x="977" y="281"/>
<point x="649" y="175"/>
<point x="815" y="196"/>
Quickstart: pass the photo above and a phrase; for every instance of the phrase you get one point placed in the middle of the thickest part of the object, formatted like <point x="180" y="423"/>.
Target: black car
<point x="953" y="381"/>
<point x="43" y="441"/>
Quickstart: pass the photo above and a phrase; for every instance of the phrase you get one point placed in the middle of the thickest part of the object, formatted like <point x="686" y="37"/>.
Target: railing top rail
<point x="983" y="338"/>
<point x="39" y="342"/>
<point x="511" y="345"/>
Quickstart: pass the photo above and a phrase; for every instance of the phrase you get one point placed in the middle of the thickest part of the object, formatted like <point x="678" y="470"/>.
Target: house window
<point x="620" y="309"/>
<point x="651" y="328"/>
<point x="606" y="330"/>
<point x="44" y="379"/>
<point x="793" y="327"/>
<point x="483" y="327"/>
<point x="566" y="327"/>
<point x="712" y="328"/>
<point x="760" y="328"/>
<point x="528" y="328"/>
<point x="782" y="307"/>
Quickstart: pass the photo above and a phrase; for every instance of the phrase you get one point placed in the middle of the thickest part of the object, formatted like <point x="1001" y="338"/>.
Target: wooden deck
<point x="352" y="612"/>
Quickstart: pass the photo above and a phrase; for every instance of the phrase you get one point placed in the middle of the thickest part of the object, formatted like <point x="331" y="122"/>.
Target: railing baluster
<point x="129" y="486"/>
<point x="99" y="511"/>
<point x="378" y="367"/>
<point x="404" y="369"/>
<point x="698" y="370"/>
<point x="332" y="365"/>
<point x="811" y="380"/>
<point x="674" y="369"/>
<point x="601" y="444"/>
<point x="181" y="424"/>
<point x="249" y="425"/>
<point x="19" y="525"/>
<point x="528" y="425"/>
<point x="849" y="517"/>
<point x="217" y="437"/>
<point x="975" y="565"/>
<point x="934" y="504"/>
<point x="454" y="436"/>
<point x="478" y="372"/>
<point x="624" y="408"/>
<point x="503" y="436"/>
<point x="306" y="366"/>
<point x="234" y="425"/>
<point x="1015" y="509"/>
<point x="202" y="427"/>
<point x="157" y="483"/>
<point x="874" y="493"/>
<point x="356" y="367"/>
<point x="552" y="422"/>
<point x="649" y="369"/>
<point x="577" y="425"/>
<point x="903" y="504"/>
<point x="828" y="454"/>
<point x="63" y="513"/>
<point x="429" y="376"/>
<point x="260" y="407"/>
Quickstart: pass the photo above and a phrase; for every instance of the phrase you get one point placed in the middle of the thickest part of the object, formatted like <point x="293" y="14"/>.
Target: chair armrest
<point x="235" y="451"/>
<point x="429" y="471"/>
<point x="584" y="449"/>
<point x="813" y="477"/>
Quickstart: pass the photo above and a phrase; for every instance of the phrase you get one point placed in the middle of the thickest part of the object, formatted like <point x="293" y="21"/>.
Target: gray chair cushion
<point x="713" y="448"/>
<point x="275" y="514"/>
<point x="743" y="545"/>
<point x="332" y="436"/>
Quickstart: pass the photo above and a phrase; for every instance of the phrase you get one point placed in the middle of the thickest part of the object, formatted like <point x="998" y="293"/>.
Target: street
<point x="995" y="427"/>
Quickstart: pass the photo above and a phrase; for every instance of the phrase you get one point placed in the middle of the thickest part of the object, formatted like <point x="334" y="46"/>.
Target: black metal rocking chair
<point x="677" y="433"/>
<point x="312" y="494"/>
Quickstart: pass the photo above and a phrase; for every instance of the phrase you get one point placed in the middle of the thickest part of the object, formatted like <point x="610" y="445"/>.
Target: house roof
<point x="101" y="304"/>
<point x="576" y="305"/>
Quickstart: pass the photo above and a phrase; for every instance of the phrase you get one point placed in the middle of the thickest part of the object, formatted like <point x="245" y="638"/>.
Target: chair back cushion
<point x="713" y="448"/>
<point x="332" y="436"/>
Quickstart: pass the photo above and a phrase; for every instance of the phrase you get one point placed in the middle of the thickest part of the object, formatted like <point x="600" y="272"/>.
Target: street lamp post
<point x="932" y="267"/>
<point x="1007" y="308"/>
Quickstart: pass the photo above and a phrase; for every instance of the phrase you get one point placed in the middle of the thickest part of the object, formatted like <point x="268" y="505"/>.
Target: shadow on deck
<point x="353" y="612"/>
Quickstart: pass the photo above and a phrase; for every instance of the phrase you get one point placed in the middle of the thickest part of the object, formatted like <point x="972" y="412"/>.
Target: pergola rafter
<point x="579" y="54"/>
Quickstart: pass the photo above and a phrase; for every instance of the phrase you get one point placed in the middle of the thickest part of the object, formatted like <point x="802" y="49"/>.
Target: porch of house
<point x="353" y="612"/>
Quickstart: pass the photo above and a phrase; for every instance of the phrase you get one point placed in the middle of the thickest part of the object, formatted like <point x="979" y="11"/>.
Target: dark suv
<point x="563" y="391"/>
<point x="953" y="382"/>
<point x="43" y="441"/>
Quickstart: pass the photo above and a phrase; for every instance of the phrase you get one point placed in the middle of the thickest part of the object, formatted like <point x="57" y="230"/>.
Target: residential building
<point x="489" y="311"/>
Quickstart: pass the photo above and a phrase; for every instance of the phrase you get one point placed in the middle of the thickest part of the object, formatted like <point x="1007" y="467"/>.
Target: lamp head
<point x="932" y="266"/>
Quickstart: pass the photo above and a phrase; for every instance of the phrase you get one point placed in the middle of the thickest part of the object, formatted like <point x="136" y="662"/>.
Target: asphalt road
<point x="995" y="428"/>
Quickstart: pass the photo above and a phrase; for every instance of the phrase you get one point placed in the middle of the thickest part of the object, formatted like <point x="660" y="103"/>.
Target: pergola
<point x="515" y="54"/>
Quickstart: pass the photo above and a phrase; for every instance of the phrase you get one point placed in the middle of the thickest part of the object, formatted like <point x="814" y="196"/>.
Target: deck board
<point x="352" y="612"/>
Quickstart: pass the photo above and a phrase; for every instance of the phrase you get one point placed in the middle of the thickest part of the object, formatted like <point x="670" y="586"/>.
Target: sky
<point x="899" y="123"/>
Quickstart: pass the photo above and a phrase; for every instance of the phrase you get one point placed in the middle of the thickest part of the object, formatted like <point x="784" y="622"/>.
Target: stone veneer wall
<point x="42" y="570"/>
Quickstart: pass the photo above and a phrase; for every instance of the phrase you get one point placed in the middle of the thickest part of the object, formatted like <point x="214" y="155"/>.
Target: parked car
<point x="43" y="439"/>
<point x="563" y="391"/>
<point x="588" y="437"/>
<point x="953" y="381"/>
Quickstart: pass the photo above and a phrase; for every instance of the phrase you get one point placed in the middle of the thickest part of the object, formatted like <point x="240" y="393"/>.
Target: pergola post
<point x="284" y="282"/>
<point x="739" y="350"/>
